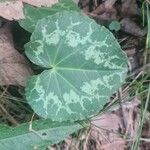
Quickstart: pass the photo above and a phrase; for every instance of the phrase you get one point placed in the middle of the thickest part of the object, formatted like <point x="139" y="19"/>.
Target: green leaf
<point x="114" y="25"/>
<point x="45" y="133"/>
<point x="33" y="14"/>
<point x="84" y="67"/>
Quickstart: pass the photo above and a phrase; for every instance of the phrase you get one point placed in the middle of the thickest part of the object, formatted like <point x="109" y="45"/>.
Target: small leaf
<point x="33" y="14"/>
<point x="85" y="66"/>
<point x="45" y="133"/>
<point x="114" y="25"/>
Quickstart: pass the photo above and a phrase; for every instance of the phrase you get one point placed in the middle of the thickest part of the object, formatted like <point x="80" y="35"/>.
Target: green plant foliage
<point x="33" y="14"/>
<point x="84" y="67"/>
<point x="45" y="133"/>
<point x="114" y="25"/>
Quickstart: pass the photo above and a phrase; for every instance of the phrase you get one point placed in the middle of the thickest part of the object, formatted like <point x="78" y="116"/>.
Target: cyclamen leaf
<point x="45" y="133"/>
<point x="33" y="14"/>
<point x="85" y="66"/>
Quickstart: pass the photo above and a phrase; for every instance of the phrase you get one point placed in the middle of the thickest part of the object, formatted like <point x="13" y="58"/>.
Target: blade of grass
<point x="137" y="141"/>
<point x="147" y="51"/>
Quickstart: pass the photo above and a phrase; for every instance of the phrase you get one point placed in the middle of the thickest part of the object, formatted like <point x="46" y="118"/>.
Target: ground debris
<point x="39" y="3"/>
<point x="14" y="69"/>
<point x="128" y="26"/>
<point x="116" y="129"/>
<point x="107" y="131"/>
<point x="106" y="11"/>
<point x="13" y="10"/>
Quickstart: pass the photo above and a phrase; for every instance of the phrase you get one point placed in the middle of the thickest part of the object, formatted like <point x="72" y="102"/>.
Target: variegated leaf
<point x="33" y="14"/>
<point x="44" y="134"/>
<point x="84" y="67"/>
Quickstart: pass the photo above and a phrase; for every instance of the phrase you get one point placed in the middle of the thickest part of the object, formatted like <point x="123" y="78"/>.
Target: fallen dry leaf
<point x="14" y="69"/>
<point x="13" y="10"/>
<point x="40" y="3"/>
<point x="106" y="6"/>
<point x="128" y="26"/>
<point x="108" y="128"/>
<point x="129" y="8"/>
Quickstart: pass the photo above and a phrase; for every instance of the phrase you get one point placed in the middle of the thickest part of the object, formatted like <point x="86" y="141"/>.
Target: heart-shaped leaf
<point x="33" y="14"/>
<point x="45" y="133"/>
<point x="85" y="66"/>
